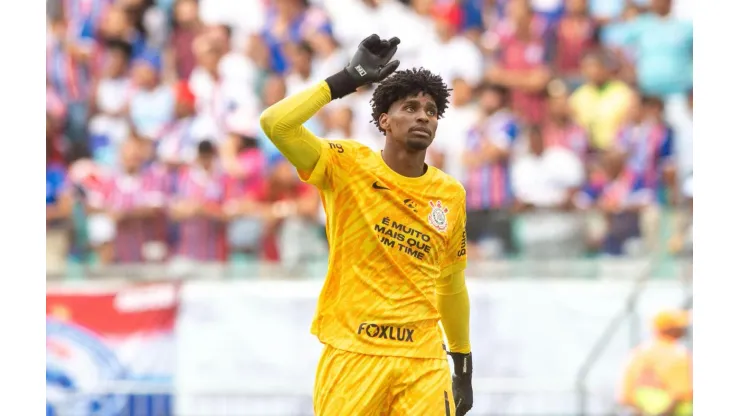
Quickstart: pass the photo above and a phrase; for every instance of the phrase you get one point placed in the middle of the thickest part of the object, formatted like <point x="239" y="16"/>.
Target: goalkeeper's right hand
<point x="369" y="64"/>
<point x="462" y="382"/>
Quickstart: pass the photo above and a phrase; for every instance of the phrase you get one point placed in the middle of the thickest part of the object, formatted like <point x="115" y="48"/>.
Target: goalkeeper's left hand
<point x="462" y="382"/>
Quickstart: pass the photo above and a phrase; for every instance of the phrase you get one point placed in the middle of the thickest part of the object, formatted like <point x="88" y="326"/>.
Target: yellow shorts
<point x="352" y="384"/>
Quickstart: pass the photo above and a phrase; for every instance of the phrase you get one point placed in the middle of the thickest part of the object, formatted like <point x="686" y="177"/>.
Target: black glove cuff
<point x="463" y="364"/>
<point x="341" y="84"/>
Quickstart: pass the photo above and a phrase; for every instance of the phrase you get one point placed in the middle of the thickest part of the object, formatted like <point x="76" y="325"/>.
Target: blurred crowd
<point x="570" y="122"/>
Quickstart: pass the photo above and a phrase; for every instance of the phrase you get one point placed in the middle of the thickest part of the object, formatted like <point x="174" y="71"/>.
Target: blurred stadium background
<point x="184" y="257"/>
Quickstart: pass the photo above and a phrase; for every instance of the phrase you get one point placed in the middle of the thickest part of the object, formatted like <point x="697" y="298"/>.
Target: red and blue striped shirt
<point x="201" y="238"/>
<point x="649" y="146"/>
<point x="489" y="186"/>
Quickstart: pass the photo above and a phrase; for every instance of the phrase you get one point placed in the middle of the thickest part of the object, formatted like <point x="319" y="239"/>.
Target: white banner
<point x="244" y="348"/>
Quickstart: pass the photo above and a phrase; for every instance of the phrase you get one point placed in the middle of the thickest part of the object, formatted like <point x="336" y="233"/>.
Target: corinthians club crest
<point x="438" y="216"/>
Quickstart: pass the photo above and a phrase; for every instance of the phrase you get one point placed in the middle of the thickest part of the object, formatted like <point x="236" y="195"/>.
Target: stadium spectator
<point x="131" y="200"/>
<point x="647" y="142"/>
<point x="327" y="53"/>
<point x="109" y="107"/>
<point x="291" y="232"/>
<point x="449" y="143"/>
<point x="226" y="59"/>
<point x="180" y="57"/>
<point x="560" y="129"/>
<point x="58" y="207"/>
<point x="236" y="69"/>
<point x="486" y="158"/>
<point x="118" y="25"/>
<point x="524" y="49"/>
<point x="291" y="21"/>
<point x="152" y="105"/>
<point x="545" y="181"/>
<point x="246" y="168"/>
<point x="576" y="34"/>
<point x="620" y="195"/>
<point x="657" y="380"/>
<point x="178" y="142"/>
<point x="664" y="50"/>
<point x="601" y="105"/>
<point x="449" y="54"/>
<point x="69" y="76"/>
<point x="197" y="207"/>
<point x="300" y="58"/>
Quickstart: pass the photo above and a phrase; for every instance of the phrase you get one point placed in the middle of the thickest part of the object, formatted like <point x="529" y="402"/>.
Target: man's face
<point x="536" y="142"/>
<point x="186" y="12"/>
<point x="299" y="58"/>
<point x="131" y="155"/>
<point x="576" y="7"/>
<point x="411" y="121"/>
<point x="612" y="162"/>
<point x="462" y="93"/>
<point x="117" y="63"/>
<point x="491" y="101"/>
<point x="594" y="71"/>
<point x="661" y="7"/>
<point x="206" y="160"/>
<point x="116" y="22"/>
<point x="144" y="75"/>
<point x="558" y="107"/>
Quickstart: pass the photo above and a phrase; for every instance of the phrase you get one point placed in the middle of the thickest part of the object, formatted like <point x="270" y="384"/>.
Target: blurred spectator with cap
<point x="658" y="375"/>
<point x="545" y="181"/>
<point x="602" y="104"/>
<point x="523" y="56"/>
<point x="486" y="158"/>
<point x="152" y="103"/>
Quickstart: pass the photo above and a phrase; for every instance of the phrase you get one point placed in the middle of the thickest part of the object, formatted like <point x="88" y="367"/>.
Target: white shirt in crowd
<point x="244" y="16"/>
<point x="451" y="137"/>
<point x="215" y="101"/>
<point x="353" y="21"/>
<point x="544" y="181"/>
<point x="457" y="58"/>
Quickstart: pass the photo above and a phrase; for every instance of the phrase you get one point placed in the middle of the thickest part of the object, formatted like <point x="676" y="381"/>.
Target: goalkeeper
<point x="396" y="231"/>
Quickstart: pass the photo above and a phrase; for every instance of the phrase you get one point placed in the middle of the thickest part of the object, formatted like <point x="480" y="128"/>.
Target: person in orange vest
<point x="658" y="379"/>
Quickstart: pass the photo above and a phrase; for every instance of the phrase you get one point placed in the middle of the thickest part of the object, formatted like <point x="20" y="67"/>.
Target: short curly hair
<point x="409" y="83"/>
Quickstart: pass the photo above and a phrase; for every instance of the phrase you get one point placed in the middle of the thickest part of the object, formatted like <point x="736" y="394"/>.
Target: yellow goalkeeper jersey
<point x="390" y="237"/>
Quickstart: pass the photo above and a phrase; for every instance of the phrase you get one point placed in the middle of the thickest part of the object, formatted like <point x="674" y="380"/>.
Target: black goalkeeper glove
<point x="369" y="64"/>
<point x="462" y="382"/>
